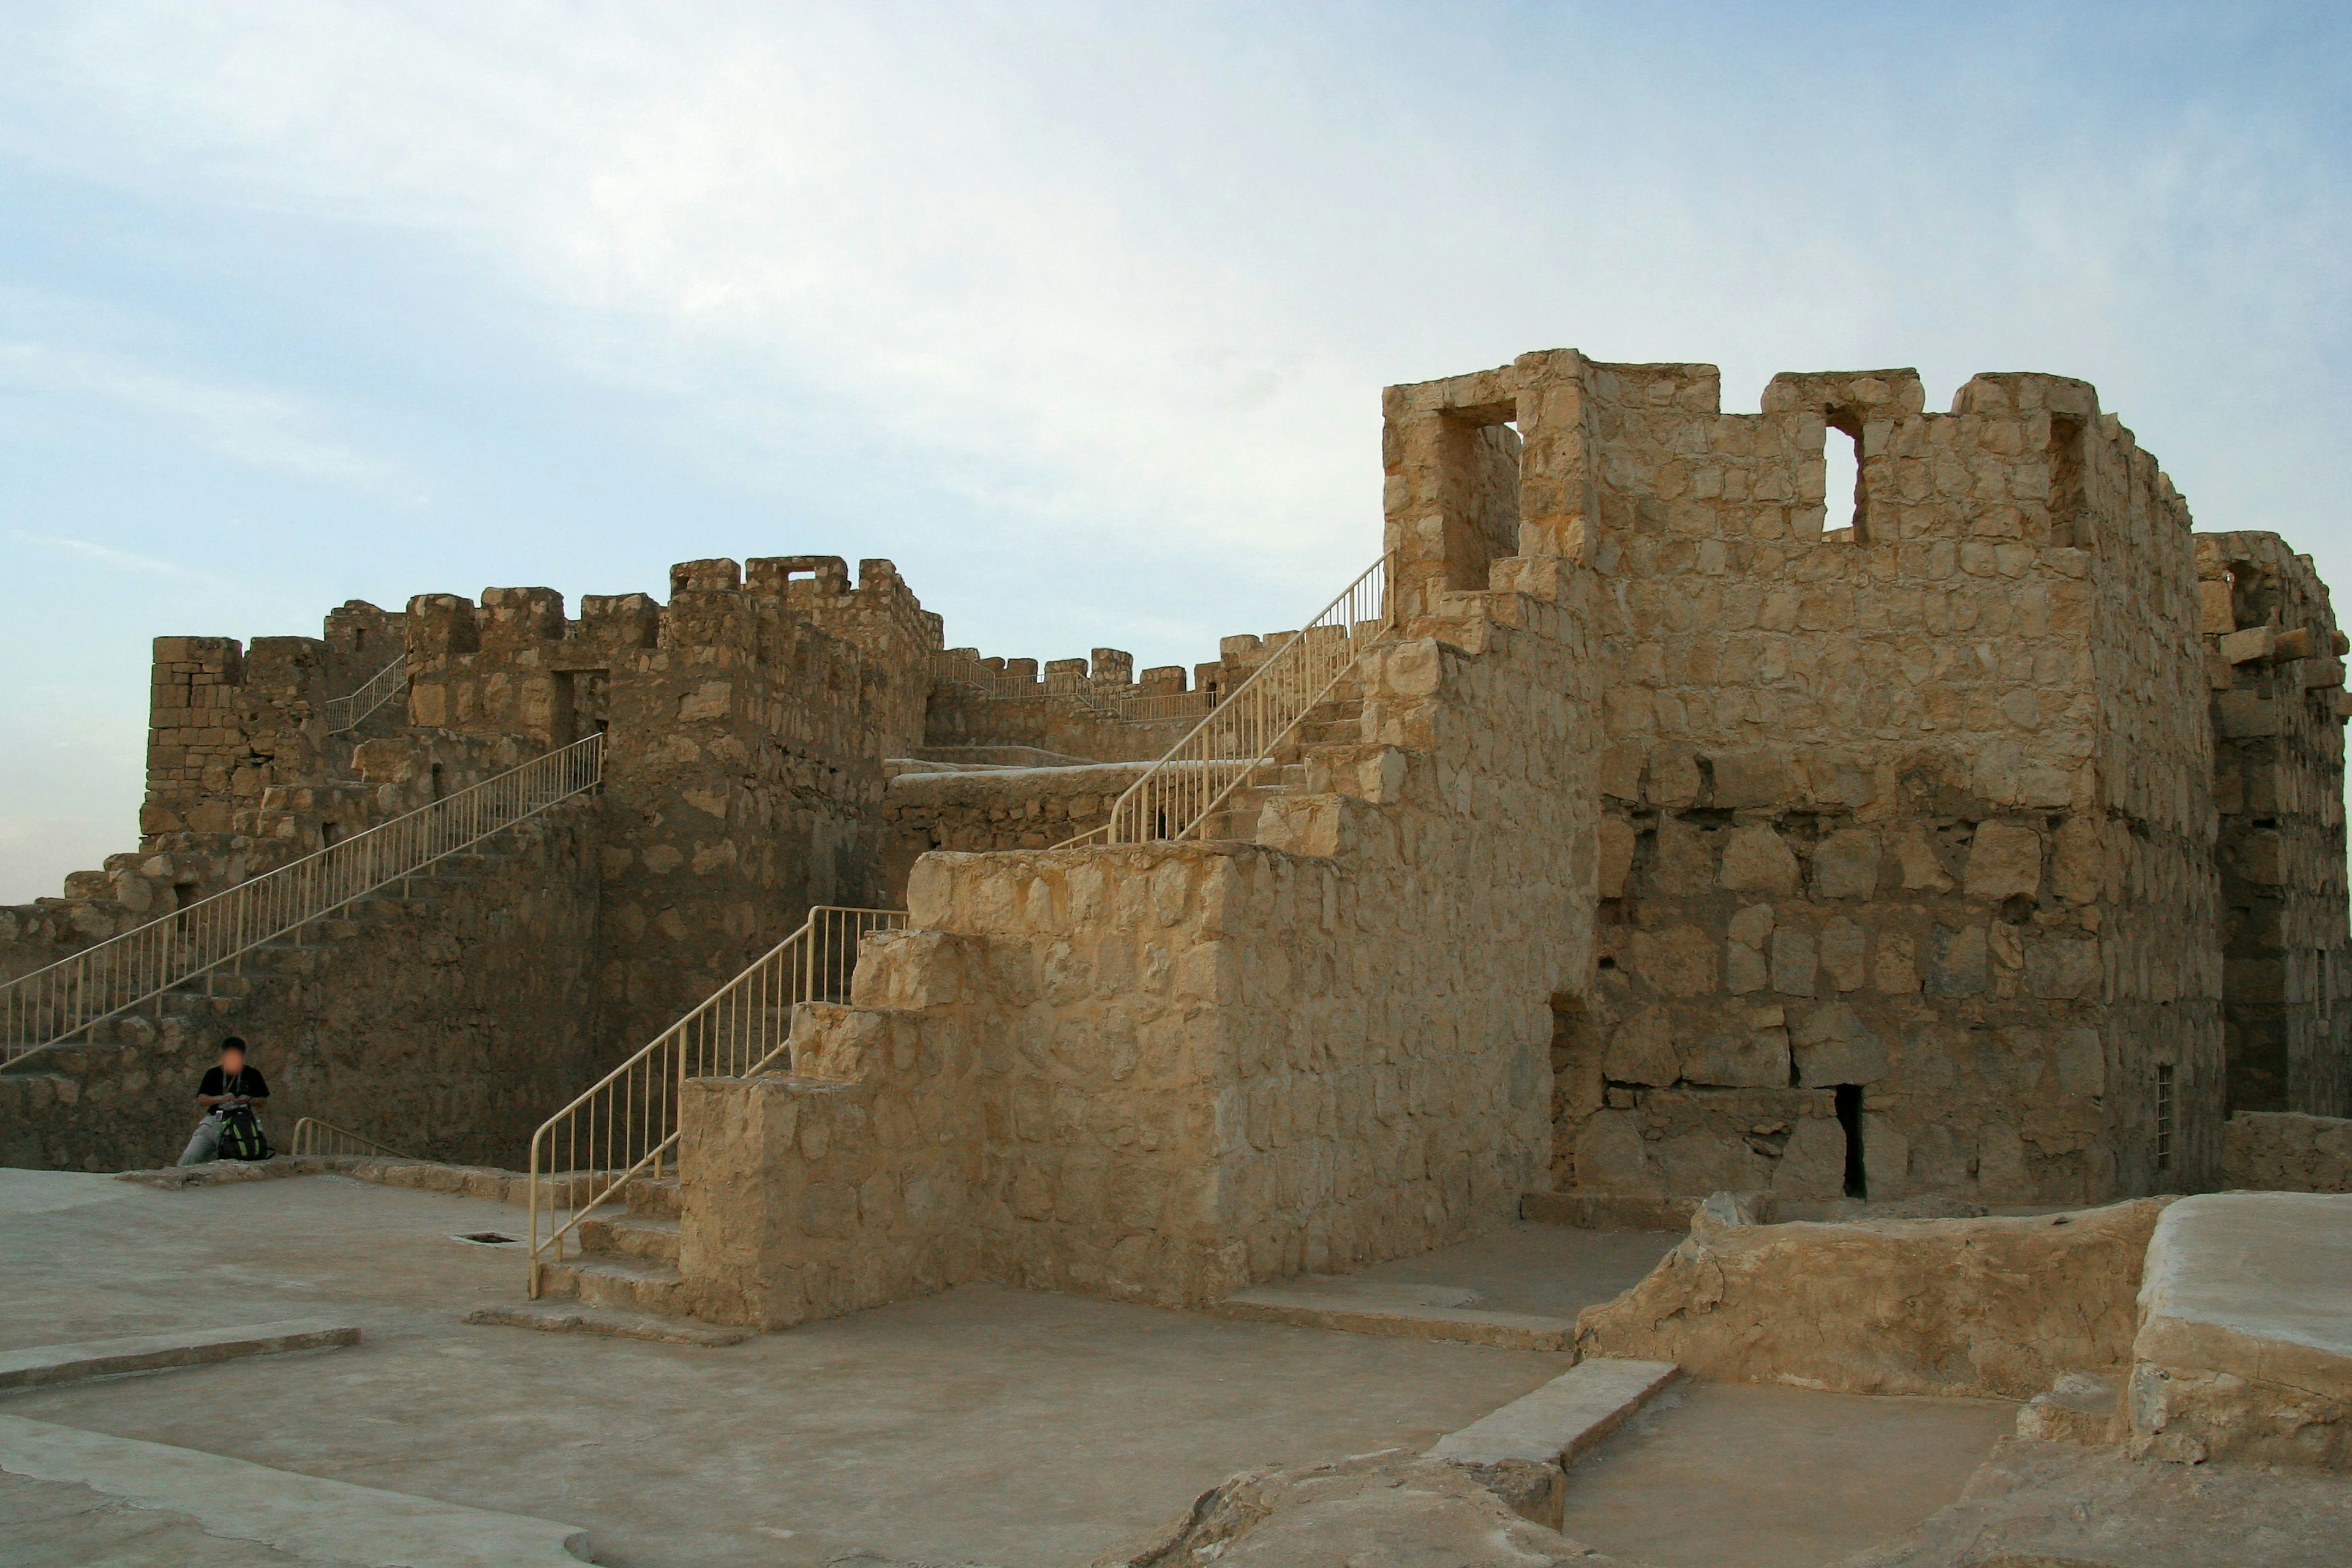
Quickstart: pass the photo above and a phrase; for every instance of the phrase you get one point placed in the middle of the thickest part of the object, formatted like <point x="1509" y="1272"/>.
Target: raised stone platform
<point x="2245" y="1339"/>
<point x="40" y="1365"/>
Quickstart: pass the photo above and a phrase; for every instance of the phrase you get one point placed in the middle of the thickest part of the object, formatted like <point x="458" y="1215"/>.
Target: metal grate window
<point x="2164" y="1116"/>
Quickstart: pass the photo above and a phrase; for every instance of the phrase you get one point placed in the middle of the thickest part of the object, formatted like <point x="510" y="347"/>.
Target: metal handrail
<point x="312" y="1136"/>
<point x="52" y="1006"/>
<point x="345" y="713"/>
<point x="625" y="1124"/>
<point x="1241" y="735"/>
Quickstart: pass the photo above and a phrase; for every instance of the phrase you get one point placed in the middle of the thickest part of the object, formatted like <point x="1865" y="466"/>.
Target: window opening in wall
<point x="328" y="834"/>
<point x="2069" y="516"/>
<point x="183" y="894"/>
<point x="434" y="783"/>
<point x="1848" y="1115"/>
<point x="1842" y="481"/>
<point x="2164" y="1116"/>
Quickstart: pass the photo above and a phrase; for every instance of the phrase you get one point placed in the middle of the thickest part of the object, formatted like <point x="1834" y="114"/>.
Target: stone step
<point x="571" y="1318"/>
<point x="632" y="1238"/>
<point x="1236" y="819"/>
<point x="608" y="1282"/>
<point x="653" y="1199"/>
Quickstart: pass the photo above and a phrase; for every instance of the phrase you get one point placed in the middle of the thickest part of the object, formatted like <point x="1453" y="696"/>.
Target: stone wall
<point x="1906" y="872"/>
<point x="744" y="725"/>
<point x="446" y="1020"/>
<point x="2287" y="1151"/>
<point x="2275" y="659"/>
<point x="1009" y="808"/>
<point x="1200" y="1064"/>
<point x="742" y="777"/>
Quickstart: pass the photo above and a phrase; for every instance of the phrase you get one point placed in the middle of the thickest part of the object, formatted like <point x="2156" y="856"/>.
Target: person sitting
<point x="227" y="1088"/>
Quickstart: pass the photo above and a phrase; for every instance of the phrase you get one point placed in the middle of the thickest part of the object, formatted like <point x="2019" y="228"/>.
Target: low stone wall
<point x="1978" y="1307"/>
<point x="1011" y="808"/>
<point x="2284" y="1152"/>
<point x="2244" y="1348"/>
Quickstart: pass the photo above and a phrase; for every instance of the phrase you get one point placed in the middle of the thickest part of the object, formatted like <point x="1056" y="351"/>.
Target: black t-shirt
<point x="249" y="1083"/>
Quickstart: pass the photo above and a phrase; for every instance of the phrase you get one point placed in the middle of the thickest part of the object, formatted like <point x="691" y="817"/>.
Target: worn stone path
<point x="986" y="1424"/>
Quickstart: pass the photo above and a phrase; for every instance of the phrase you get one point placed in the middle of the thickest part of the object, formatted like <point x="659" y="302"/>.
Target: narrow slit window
<point x="1848" y="1115"/>
<point x="2164" y="1116"/>
<point x="1841" y="484"/>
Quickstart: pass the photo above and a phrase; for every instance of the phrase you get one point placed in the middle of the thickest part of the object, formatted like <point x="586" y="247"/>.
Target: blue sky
<point x="1079" y="313"/>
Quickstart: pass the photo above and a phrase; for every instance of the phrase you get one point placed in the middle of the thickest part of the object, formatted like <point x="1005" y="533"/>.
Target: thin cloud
<point x="263" y="430"/>
<point x="121" y="560"/>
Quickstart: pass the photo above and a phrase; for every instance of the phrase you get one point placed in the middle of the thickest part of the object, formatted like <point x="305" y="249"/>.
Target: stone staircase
<point x="124" y="1098"/>
<point x="628" y="1255"/>
<point x="1331" y="733"/>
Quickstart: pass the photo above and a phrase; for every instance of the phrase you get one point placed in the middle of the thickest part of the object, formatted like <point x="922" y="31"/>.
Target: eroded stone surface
<point x="2245" y="1338"/>
<point x="1967" y="1307"/>
<point x="1382" y="1511"/>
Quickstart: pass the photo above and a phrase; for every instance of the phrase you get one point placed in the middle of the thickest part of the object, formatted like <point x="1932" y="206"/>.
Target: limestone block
<point x="1745" y="968"/>
<point x="1752" y="1057"/>
<point x="2244" y="1348"/>
<point x="1914" y="852"/>
<point x="1685" y="866"/>
<point x="1956" y="962"/>
<point x="1991" y="1308"/>
<point x="1753" y="779"/>
<point x="2004" y="861"/>
<point x="1617" y="840"/>
<point x="1812" y="1166"/>
<point x="2285" y="1152"/>
<point x="1795" y="960"/>
<point x="1843" y="953"/>
<point x="1610" y="1153"/>
<point x="1642" y="1050"/>
<point x="2064" y="969"/>
<point x="1674" y="778"/>
<point x="1846" y="864"/>
<point x="1756" y="859"/>
<point x="1676" y="962"/>
<point x="1830" y="1045"/>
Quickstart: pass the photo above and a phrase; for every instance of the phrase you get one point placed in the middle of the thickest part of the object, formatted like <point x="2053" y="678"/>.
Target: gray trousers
<point x="204" y="1143"/>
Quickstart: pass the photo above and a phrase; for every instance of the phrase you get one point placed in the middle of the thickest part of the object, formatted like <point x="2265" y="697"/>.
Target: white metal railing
<point x="1241" y="735"/>
<point x="312" y="1136"/>
<point x="52" y="1006"/>
<point x="625" y="1125"/>
<point x="344" y="712"/>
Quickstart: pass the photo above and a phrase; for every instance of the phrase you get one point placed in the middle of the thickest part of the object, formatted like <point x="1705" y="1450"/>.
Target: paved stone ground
<point x="1737" y="1475"/>
<point x="50" y="1524"/>
<point x="1010" y="1427"/>
<point x="1550" y="1270"/>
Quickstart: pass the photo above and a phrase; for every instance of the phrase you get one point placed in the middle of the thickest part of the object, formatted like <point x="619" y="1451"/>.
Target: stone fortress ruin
<point x="1637" y="838"/>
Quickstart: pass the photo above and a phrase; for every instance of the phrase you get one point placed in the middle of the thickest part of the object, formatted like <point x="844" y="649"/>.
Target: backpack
<point x="241" y="1135"/>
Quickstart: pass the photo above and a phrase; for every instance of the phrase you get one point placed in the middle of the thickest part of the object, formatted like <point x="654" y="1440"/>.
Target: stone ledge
<point x="304" y="1516"/>
<point x="1460" y="1325"/>
<point x="575" y="1320"/>
<point x="2244" y="1346"/>
<point x="43" y="1365"/>
<point x="1563" y="1418"/>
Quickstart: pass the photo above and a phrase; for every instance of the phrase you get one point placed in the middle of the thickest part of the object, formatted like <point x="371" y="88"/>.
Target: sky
<point x="1079" y="313"/>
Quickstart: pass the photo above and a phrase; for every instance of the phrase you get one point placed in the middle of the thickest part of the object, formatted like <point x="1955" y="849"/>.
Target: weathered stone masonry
<point x="1987" y="849"/>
